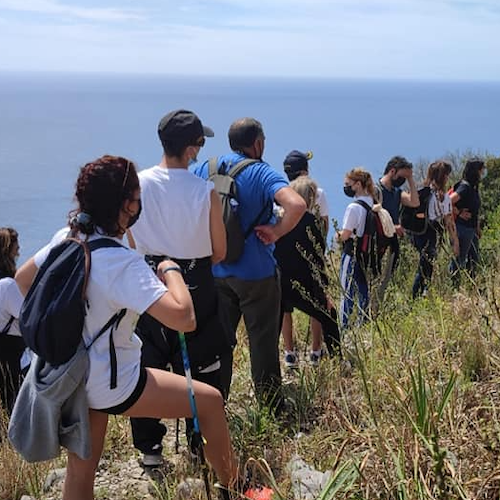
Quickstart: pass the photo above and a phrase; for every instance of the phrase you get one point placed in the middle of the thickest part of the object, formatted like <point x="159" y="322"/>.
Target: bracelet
<point x="171" y="268"/>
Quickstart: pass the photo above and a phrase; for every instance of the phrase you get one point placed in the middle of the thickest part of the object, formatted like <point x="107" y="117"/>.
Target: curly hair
<point x="101" y="188"/>
<point x="364" y="177"/>
<point x="8" y="251"/>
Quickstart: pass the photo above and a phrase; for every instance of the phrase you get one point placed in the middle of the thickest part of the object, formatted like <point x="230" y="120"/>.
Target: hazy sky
<point x="423" y="39"/>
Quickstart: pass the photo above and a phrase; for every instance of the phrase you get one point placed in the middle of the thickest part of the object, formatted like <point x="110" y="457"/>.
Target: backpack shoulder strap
<point x="241" y="165"/>
<point x="212" y="167"/>
<point x="7" y="326"/>
<point x="364" y="205"/>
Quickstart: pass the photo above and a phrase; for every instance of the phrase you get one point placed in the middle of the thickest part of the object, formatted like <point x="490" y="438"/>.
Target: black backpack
<point x="225" y="185"/>
<point x="53" y="312"/>
<point x="370" y="247"/>
<point x="416" y="220"/>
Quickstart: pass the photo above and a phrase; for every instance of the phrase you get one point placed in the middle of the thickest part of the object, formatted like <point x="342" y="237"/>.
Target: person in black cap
<point x="250" y="286"/>
<point x="296" y="164"/>
<point x="181" y="219"/>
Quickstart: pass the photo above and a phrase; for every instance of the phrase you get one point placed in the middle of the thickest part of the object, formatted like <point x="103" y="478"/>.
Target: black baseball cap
<point x="296" y="161"/>
<point x="182" y="127"/>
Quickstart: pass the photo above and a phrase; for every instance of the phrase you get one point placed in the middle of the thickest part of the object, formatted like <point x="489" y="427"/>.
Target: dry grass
<point x="417" y="418"/>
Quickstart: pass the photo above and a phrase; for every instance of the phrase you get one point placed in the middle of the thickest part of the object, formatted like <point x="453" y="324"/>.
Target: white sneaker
<point x="152" y="460"/>
<point x="291" y="360"/>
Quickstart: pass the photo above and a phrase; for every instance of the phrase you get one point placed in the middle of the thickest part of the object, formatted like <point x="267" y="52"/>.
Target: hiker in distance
<point x="300" y="256"/>
<point x="250" y="285"/>
<point x="194" y="238"/>
<point x="440" y="219"/>
<point x="358" y="184"/>
<point x="12" y="345"/>
<point x="466" y="202"/>
<point x="109" y="201"/>
<point x="296" y="165"/>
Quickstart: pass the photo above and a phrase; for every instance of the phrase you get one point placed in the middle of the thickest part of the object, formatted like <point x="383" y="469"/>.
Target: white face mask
<point x="484" y="173"/>
<point x="192" y="161"/>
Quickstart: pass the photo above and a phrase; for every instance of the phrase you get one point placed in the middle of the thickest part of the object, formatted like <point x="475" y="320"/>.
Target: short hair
<point x="307" y="189"/>
<point x="244" y="132"/>
<point x="397" y="162"/>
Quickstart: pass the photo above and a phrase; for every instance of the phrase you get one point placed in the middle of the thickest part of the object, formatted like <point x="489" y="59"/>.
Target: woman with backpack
<point x="440" y="218"/>
<point x="358" y="184"/>
<point x="11" y="342"/>
<point x="466" y="205"/>
<point x="108" y="196"/>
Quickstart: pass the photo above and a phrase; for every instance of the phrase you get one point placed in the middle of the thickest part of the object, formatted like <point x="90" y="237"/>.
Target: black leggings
<point x="11" y="350"/>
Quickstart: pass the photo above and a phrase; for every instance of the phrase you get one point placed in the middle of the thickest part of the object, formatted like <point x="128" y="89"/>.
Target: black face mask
<point x="133" y="218"/>
<point x="349" y="191"/>
<point x="398" y="182"/>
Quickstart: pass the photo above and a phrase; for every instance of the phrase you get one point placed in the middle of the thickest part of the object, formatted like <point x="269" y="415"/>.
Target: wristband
<point x="171" y="268"/>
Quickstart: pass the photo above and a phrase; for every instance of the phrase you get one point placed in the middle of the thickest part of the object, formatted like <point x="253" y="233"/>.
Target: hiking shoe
<point x="314" y="358"/>
<point x="152" y="460"/>
<point x="291" y="360"/>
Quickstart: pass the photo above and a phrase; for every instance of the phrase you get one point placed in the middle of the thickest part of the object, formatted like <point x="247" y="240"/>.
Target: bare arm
<point x="294" y="208"/>
<point x="25" y="275"/>
<point x="410" y="199"/>
<point x="217" y="229"/>
<point x="174" y="308"/>
<point x="344" y="234"/>
<point x="452" y="231"/>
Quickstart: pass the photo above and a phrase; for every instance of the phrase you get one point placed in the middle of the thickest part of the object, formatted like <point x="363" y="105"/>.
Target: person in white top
<point x="181" y="218"/>
<point x="358" y="184"/>
<point x="108" y="193"/>
<point x="440" y="219"/>
<point x="11" y="342"/>
<point x="296" y="164"/>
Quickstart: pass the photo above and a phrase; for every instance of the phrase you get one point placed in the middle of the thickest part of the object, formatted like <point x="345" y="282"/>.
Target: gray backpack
<point x="224" y="182"/>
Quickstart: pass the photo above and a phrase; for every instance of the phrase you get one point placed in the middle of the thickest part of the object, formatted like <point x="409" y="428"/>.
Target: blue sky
<point x="417" y="39"/>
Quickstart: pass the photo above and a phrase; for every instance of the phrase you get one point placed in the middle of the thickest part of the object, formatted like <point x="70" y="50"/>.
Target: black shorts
<point x="132" y="399"/>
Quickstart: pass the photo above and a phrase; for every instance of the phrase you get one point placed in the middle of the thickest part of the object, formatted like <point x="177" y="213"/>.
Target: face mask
<point x="133" y="218"/>
<point x="398" y="182"/>
<point x="192" y="161"/>
<point x="349" y="191"/>
<point x="484" y="173"/>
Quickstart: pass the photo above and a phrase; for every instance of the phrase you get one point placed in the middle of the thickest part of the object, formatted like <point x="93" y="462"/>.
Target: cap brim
<point x="207" y="131"/>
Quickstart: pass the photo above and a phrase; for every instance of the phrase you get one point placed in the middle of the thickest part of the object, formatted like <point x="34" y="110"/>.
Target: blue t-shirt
<point x="391" y="201"/>
<point x="257" y="185"/>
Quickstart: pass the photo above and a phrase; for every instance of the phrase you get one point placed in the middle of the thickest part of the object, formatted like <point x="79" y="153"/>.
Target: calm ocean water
<point x="51" y="124"/>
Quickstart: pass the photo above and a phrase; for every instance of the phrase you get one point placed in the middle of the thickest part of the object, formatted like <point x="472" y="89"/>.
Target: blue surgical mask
<point x="192" y="161"/>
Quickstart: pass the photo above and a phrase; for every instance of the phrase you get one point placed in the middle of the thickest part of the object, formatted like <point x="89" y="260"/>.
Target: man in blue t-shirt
<point x="250" y="286"/>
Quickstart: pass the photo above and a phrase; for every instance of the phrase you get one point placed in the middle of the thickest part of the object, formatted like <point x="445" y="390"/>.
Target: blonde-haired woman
<point x="300" y="258"/>
<point x="358" y="184"/>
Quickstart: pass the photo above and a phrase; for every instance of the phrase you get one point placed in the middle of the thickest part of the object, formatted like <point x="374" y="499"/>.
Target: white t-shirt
<point x="11" y="301"/>
<point x="437" y="209"/>
<point x="119" y="278"/>
<point x="355" y="216"/>
<point x="322" y="202"/>
<point x="175" y="217"/>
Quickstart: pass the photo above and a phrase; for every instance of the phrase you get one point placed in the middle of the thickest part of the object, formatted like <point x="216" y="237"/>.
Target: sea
<point x="51" y="124"/>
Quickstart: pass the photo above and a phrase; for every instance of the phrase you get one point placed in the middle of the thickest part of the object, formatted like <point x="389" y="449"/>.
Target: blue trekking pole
<point x="196" y="424"/>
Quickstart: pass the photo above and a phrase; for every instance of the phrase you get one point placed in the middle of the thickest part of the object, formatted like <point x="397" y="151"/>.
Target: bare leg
<point x="287" y="331"/>
<point x="79" y="482"/>
<point x="166" y="396"/>
<point x="317" y="334"/>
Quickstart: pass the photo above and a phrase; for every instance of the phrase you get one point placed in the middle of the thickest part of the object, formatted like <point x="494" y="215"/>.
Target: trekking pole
<point x="196" y="424"/>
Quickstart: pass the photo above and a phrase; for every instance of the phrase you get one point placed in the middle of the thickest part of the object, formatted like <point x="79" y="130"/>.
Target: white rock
<point x="307" y="482"/>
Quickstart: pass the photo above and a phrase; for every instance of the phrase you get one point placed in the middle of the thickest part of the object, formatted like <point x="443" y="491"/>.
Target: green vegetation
<point x="417" y="416"/>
